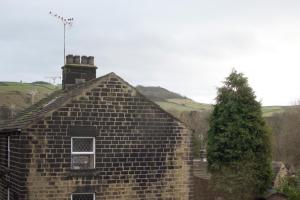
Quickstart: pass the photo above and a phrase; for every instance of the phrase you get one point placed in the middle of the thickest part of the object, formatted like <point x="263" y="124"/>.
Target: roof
<point x="39" y="110"/>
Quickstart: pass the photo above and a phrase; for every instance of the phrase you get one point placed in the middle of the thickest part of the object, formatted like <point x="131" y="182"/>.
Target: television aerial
<point x="66" y="22"/>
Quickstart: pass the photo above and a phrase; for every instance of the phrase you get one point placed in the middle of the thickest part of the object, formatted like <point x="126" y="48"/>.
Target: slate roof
<point x="38" y="110"/>
<point x="55" y="100"/>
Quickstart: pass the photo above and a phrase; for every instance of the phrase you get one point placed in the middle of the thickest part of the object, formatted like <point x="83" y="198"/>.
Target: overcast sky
<point x="186" y="46"/>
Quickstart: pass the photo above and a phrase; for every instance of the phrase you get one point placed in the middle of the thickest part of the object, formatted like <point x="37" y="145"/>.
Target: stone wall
<point x="3" y="165"/>
<point x="141" y="151"/>
<point x="78" y="69"/>
<point x="12" y="177"/>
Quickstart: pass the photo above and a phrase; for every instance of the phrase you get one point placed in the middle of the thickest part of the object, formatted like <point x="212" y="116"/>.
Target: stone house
<point x="97" y="138"/>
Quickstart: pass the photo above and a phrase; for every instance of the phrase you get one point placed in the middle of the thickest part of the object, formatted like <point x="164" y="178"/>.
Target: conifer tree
<point x="238" y="141"/>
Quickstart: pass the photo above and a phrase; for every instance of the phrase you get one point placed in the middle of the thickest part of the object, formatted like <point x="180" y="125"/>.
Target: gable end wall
<point x="141" y="151"/>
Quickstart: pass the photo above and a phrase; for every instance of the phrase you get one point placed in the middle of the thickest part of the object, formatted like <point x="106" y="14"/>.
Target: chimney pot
<point x="91" y="60"/>
<point x="69" y="59"/>
<point x="76" y="59"/>
<point x="84" y="60"/>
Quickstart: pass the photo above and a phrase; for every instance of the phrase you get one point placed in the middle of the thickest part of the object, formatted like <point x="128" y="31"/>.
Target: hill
<point x="269" y="111"/>
<point x="173" y="102"/>
<point x="158" y="93"/>
<point x="15" y="96"/>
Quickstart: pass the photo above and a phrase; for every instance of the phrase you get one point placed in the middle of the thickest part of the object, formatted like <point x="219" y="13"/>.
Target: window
<point x="83" y="196"/>
<point x="83" y="152"/>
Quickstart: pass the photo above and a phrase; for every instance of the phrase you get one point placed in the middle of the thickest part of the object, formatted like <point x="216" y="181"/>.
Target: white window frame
<point x="8" y="152"/>
<point x="94" y="195"/>
<point x="8" y="193"/>
<point x="84" y="153"/>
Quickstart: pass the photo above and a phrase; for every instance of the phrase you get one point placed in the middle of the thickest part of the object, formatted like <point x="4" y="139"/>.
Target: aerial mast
<point x="66" y="22"/>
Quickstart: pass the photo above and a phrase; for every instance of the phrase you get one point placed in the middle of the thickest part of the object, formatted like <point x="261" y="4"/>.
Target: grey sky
<point x="185" y="46"/>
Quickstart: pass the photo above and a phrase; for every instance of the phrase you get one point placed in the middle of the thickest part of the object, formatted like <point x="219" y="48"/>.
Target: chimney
<point x="78" y="70"/>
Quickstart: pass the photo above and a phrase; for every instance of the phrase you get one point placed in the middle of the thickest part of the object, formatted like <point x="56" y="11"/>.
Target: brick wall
<point x="12" y="177"/>
<point x="3" y="151"/>
<point x="141" y="151"/>
<point x="71" y="73"/>
<point x="3" y="164"/>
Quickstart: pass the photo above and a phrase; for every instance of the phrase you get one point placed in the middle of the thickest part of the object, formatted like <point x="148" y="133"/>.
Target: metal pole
<point x="65" y="21"/>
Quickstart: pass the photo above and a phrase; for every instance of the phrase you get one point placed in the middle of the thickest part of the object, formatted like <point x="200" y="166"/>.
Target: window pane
<point x="82" y="161"/>
<point x="83" y="197"/>
<point x="82" y="145"/>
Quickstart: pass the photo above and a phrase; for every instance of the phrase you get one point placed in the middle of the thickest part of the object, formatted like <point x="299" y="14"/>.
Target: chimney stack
<point x="78" y="70"/>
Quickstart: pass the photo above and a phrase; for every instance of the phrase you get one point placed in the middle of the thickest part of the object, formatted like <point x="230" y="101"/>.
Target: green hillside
<point x="18" y="96"/>
<point x="171" y="101"/>
<point x="271" y="110"/>
<point x="174" y="102"/>
<point x="183" y="105"/>
<point x="158" y="93"/>
<point x="16" y="86"/>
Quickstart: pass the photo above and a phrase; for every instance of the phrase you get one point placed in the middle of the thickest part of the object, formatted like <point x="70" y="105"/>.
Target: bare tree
<point x="286" y="135"/>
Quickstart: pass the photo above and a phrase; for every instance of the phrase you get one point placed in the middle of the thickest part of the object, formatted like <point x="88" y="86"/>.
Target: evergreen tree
<point x="238" y="140"/>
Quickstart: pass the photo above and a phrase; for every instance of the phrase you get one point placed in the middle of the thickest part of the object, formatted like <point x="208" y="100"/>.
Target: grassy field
<point x="183" y="105"/>
<point x="22" y="95"/>
<point x="270" y="110"/>
<point x="190" y="105"/>
<point x="21" y="87"/>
